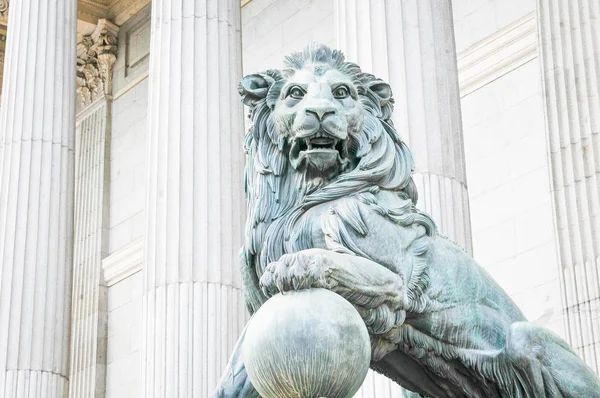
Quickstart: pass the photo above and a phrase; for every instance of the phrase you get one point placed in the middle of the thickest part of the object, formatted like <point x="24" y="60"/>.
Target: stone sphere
<point x="307" y="344"/>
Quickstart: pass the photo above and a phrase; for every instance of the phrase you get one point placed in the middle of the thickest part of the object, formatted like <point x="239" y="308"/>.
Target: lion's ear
<point x="382" y="90"/>
<point x="254" y="88"/>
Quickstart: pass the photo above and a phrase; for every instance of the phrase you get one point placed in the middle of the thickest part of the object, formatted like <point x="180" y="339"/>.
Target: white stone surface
<point x="37" y="126"/>
<point x="273" y="29"/>
<point x="475" y="20"/>
<point x="123" y="263"/>
<point x="498" y="54"/>
<point x="509" y="188"/>
<point x="124" y="365"/>
<point x="128" y="167"/>
<point x="570" y="57"/>
<point x="88" y="318"/>
<point x="193" y="309"/>
<point x="133" y="56"/>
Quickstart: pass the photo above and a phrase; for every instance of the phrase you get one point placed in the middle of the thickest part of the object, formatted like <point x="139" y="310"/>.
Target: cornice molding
<point x="123" y="263"/>
<point x="122" y="10"/>
<point x="94" y="3"/>
<point x="118" y="11"/>
<point x="91" y="11"/>
<point x="131" y="85"/>
<point x="498" y="54"/>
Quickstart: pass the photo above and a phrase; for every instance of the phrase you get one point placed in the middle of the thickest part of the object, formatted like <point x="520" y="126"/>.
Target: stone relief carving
<point x="96" y="55"/>
<point x="331" y="204"/>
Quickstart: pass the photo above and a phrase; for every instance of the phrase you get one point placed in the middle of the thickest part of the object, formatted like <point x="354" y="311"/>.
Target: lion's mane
<point x="277" y="195"/>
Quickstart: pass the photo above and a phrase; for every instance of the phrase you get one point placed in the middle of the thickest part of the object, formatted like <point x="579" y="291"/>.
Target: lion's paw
<point x="301" y="270"/>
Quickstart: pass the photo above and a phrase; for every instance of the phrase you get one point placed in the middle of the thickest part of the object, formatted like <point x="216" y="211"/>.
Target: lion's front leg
<point x="375" y="291"/>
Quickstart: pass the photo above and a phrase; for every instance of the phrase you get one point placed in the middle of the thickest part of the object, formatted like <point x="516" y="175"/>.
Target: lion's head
<point x="318" y="107"/>
<point x="321" y="129"/>
<point x="319" y="112"/>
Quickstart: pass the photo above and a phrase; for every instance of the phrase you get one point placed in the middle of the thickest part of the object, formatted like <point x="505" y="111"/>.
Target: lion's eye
<point x="341" y="92"/>
<point x="296" y="92"/>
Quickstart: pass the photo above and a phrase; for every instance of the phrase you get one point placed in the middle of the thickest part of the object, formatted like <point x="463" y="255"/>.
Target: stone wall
<point x="128" y="167"/>
<point x="272" y="29"/>
<point x="128" y="144"/>
<point x="474" y="20"/>
<point x="506" y="153"/>
<point x="127" y="201"/>
<point x="128" y="176"/>
<point x="123" y="370"/>
<point x="507" y="171"/>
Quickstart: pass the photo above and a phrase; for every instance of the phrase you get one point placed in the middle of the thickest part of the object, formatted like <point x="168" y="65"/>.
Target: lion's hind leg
<point x="235" y="382"/>
<point x="545" y="366"/>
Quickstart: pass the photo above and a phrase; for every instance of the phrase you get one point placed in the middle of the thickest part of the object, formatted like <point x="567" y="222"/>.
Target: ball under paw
<point x="307" y="344"/>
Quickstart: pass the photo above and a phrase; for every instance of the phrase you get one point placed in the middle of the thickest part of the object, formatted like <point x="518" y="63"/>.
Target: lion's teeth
<point x="306" y="142"/>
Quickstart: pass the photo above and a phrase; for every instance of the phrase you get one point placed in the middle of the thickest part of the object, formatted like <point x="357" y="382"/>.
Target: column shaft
<point x="570" y="54"/>
<point x="37" y="125"/>
<point x="89" y="312"/>
<point x="95" y="58"/>
<point x="193" y="308"/>
<point x="410" y="44"/>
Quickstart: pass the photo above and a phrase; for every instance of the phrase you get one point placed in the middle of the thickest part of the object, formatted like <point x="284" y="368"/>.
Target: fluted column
<point x="410" y="44"/>
<point x="193" y="308"/>
<point x="570" y="54"/>
<point x="95" y="58"/>
<point x="37" y="123"/>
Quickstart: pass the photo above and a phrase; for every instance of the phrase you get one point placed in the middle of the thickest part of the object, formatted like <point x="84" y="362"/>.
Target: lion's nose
<point x="319" y="112"/>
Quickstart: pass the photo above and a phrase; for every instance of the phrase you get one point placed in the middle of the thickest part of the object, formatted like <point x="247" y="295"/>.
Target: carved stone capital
<point x="96" y="55"/>
<point x="4" y="9"/>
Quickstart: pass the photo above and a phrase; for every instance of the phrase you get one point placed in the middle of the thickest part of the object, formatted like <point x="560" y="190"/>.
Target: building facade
<point x="121" y="202"/>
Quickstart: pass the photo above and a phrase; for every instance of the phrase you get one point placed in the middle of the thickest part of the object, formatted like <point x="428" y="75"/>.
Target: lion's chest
<point x="307" y="231"/>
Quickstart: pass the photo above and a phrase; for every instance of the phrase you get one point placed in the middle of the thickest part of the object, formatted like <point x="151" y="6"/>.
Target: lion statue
<point x="331" y="204"/>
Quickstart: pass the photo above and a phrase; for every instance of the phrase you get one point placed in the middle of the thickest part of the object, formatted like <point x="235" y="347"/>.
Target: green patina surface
<point x="331" y="204"/>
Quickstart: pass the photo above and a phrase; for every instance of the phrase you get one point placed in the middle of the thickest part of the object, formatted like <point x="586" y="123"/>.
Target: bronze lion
<point x="331" y="204"/>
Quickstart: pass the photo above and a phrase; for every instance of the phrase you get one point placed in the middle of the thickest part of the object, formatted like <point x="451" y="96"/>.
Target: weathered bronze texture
<point x="331" y="204"/>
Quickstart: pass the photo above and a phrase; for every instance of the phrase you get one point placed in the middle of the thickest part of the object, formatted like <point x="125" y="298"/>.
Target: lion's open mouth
<point x="319" y="152"/>
<point x="320" y="141"/>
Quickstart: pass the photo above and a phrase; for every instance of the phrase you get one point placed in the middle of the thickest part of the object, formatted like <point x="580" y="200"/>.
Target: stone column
<point x="410" y="44"/>
<point x="95" y="58"/>
<point x="569" y="37"/>
<point x="37" y="124"/>
<point x="193" y="307"/>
